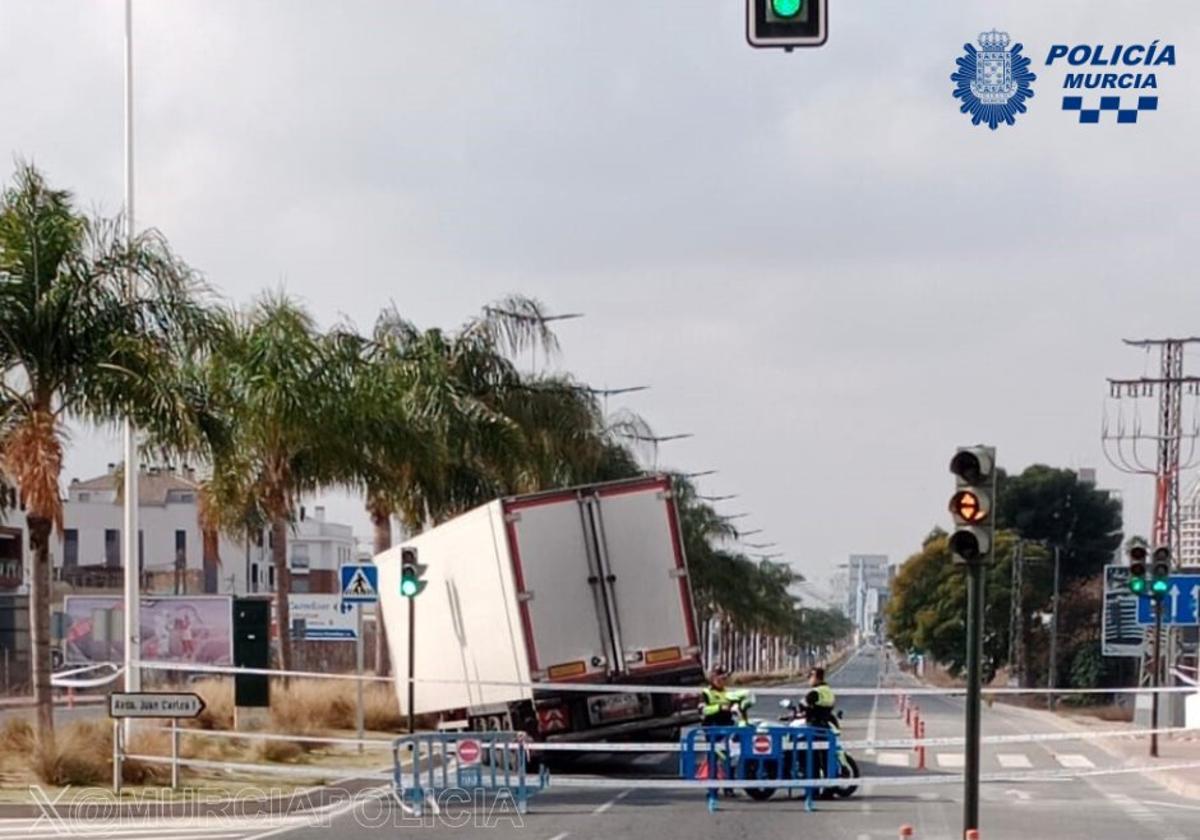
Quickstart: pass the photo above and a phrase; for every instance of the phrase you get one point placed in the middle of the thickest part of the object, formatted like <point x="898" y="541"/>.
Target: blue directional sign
<point x="1181" y="604"/>
<point x="360" y="583"/>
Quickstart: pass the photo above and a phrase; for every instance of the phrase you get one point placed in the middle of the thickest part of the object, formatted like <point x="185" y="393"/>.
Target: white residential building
<point x="170" y="544"/>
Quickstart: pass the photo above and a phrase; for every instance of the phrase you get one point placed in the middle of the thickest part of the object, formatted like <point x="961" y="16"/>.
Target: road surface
<point x="1083" y="808"/>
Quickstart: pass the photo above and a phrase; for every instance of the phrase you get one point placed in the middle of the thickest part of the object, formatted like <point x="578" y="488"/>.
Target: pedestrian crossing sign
<point x="360" y="583"/>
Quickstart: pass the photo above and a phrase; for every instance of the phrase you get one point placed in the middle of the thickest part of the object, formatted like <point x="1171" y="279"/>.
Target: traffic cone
<point x="921" y="748"/>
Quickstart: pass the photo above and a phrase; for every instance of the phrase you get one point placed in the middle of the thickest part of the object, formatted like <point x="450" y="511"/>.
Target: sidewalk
<point x="1181" y="748"/>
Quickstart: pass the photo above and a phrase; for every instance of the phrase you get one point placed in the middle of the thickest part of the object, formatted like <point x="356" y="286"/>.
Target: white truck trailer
<point x="586" y="585"/>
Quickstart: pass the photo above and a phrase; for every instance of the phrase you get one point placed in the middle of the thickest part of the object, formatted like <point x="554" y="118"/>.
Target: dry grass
<point x="218" y="702"/>
<point x="79" y="754"/>
<point x="156" y="742"/>
<point x="305" y="707"/>
<point x="283" y="752"/>
<point x="16" y="737"/>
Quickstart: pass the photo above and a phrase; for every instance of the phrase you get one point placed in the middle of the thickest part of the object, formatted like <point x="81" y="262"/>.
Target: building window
<point x="300" y="555"/>
<point x="300" y="585"/>
<point x="254" y="576"/>
<point x="112" y="547"/>
<point x="70" y="547"/>
<point x="141" y="550"/>
<point x="181" y="549"/>
<point x="271" y="577"/>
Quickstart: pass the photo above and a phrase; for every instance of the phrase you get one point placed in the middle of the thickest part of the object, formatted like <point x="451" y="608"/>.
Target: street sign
<point x="325" y="616"/>
<point x="1122" y="635"/>
<point x="1181" y="603"/>
<point x="154" y="704"/>
<point x="360" y="583"/>
<point x="468" y="751"/>
<point x="762" y="744"/>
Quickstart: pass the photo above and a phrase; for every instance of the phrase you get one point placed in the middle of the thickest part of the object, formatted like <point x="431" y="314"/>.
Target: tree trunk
<point x="283" y="585"/>
<point x="39" y="607"/>
<point x="382" y="521"/>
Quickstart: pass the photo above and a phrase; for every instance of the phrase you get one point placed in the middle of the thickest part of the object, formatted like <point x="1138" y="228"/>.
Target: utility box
<point x="251" y="649"/>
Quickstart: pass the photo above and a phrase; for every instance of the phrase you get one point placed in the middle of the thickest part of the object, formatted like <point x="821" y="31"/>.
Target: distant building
<point x="13" y="546"/>
<point x="866" y="589"/>
<point x="88" y="553"/>
<point x="1189" y="527"/>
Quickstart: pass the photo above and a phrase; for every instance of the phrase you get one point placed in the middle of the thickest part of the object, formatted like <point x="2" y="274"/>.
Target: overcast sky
<point x="803" y="255"/>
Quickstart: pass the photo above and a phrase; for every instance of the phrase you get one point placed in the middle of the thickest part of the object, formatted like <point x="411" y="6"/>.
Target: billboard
<point x="325" y="617"/>
<point x="177" y="628"/>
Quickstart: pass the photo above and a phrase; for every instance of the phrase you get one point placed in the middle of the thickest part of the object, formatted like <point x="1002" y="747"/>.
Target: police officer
<point x="718" y="701"/>
<point x="717" y="709"/>
<point x="819" y="702"/>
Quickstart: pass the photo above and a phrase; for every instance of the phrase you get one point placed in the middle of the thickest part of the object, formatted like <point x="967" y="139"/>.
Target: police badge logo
<point x="993" y="81"/>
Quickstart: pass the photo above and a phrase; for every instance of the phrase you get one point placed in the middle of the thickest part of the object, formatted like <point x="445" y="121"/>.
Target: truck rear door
<point x="558" y="587"/>
<point x="644" y="571"/>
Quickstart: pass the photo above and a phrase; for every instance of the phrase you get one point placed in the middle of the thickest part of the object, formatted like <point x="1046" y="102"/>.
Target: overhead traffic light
<point x="786" y="23"/>
<point x="411" y="572"/>
<point x="1160" y="572"/>
<point x="1138" y="552"/>
<point x="971" y="504"/>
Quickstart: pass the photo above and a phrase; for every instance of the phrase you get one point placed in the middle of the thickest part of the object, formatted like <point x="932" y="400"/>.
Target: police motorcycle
<point x="794" y="715"/>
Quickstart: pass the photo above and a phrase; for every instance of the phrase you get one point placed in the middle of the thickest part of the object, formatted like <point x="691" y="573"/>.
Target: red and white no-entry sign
<point x="762" y="744"/>
<point x="468" y="751"/>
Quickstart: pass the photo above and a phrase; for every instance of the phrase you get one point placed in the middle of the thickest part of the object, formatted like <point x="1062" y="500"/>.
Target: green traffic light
<point x="1137" y="586"/>
<point x="786" y="8"/>
<point x="1160" y="586"/>
<point x="408" y="585"/>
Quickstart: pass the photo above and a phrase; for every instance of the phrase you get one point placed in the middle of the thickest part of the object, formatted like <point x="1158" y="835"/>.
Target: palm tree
<point x="279" y="382"/>
<point x="429" y="440"/>
<point x="90" y="327"/>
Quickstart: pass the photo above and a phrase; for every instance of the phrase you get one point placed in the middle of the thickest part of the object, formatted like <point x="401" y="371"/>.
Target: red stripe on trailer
<point x="685" y="591"/>
<point x="510" y="528"/>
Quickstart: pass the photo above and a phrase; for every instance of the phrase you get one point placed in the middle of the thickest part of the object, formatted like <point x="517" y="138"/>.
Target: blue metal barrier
<point x="489" y="762"/>
<point x="778" y="755"/>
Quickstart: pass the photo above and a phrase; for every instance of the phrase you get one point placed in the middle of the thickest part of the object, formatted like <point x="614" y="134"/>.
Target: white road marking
<point x="951" y="760"/>
<point x="556" y="836"/>
<point x="872" y="725"/>
<point x="1143" y="814"/>
<point x="1019" y="795"/>
<point x="1073" y="761"/>
<point x="1014" y="761"/>
<point x="892" y="759"/>
<point x="600" y="809"/>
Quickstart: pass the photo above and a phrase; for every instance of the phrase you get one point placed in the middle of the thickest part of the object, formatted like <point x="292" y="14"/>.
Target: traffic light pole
<point x="412" y="649"/>
<point x="1157" y="678"/>
<point x="975" y="607"/>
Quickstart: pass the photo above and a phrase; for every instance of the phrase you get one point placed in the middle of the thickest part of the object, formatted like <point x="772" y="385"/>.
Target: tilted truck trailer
<point x="583" y="585"/>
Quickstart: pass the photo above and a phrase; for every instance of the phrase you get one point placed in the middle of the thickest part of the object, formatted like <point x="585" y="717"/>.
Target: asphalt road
<point x="1114" y="807"/>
